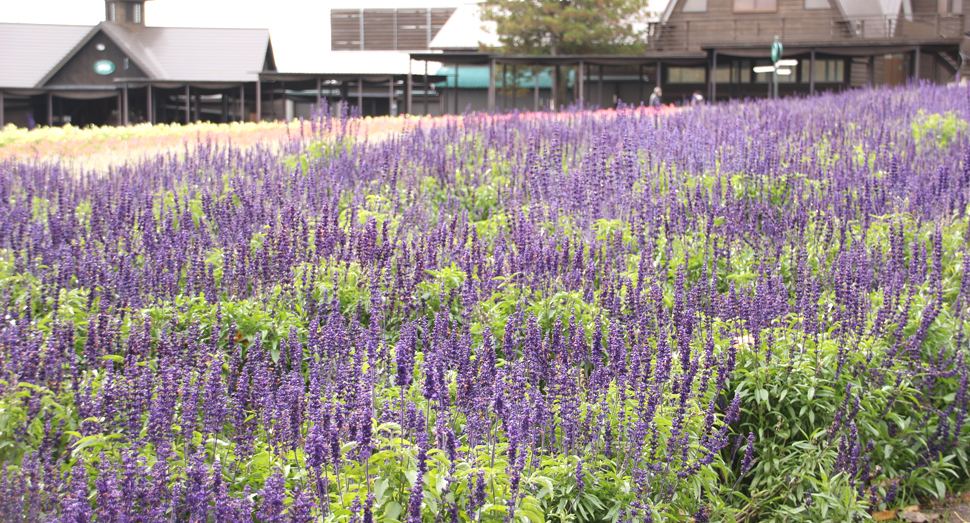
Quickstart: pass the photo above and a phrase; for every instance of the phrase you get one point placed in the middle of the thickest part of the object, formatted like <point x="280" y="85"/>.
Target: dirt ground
<point x="959" y="514"/>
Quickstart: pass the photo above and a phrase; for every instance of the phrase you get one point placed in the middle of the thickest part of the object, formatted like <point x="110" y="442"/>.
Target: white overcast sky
<point x="295" y="25"/>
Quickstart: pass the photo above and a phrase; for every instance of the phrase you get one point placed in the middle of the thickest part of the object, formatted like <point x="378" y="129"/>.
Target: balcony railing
<point x="761" y="29"/>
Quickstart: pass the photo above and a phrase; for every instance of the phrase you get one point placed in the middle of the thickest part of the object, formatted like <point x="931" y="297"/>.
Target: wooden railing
<point x="757" y="29"/>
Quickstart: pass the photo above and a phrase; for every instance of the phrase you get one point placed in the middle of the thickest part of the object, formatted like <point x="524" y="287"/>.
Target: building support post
<point x="118" y="102"/>
<point x="360" y="95"/>
<point x="149" y="114"/>
<point x="188" y="96"/>
<point x="390" y="96"/>
<point x="640" y="85"/>
<point x="427" y="87"/>
<point x="811" y="74"/>
<point x="599" y="89"/>
<point x="197" y="107"/>
<point x="242" y="102"/>
<point x="581" y="84"/>
<point x="124" y="102"/>
<point x="554" y="99"/>
<point x="319" y="93"/>
<point x="535" y="94"/>
<point x="259" y="101"/>
<point x="714" y="77"/>
<point x="409" y="88"/>
<point x="515" y="85"/>
<point x="491" y="86"/>
<point x="225" y="106"/>
<point x="872" y="70"/>
<point x="659" y="73"/>
<point x="916" y="64"/>
<point x="456" y="88"/>
<point x="2" y="123"/>
<point x="505" y="87"/>
<point x="50" y="109"/>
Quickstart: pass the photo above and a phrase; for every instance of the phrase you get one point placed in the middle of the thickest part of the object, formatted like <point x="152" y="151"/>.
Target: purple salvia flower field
<point x="745" y="312"/>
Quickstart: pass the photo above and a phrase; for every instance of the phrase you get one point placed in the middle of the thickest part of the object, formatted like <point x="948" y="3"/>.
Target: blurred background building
<point x="439" y="60"/>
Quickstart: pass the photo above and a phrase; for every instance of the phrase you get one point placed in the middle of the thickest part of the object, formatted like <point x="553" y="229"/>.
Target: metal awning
<point x="674" y="58"/>
<point x="835" y="48"/>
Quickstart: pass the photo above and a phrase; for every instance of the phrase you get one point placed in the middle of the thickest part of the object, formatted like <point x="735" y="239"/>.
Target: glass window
<point x="826" y="71"/>
<point x="723" y="74"/>
<point x="744" y="72"/>
<point x="949" y="7"/>
<point x="764" y="78"/>
<point x="686" y="75"/>
<point x="761" y="78"/>
<point x="817" y="4"/>
<point x="695" y="6"/>
<point x="755" y="6"/>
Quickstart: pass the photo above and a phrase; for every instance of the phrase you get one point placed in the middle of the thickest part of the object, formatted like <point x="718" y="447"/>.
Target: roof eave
<point x="70" y="54"/>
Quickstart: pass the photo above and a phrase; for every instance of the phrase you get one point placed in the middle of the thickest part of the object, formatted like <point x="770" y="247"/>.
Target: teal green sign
<point x="104" y="67"/>
<point x="776" y="51"/>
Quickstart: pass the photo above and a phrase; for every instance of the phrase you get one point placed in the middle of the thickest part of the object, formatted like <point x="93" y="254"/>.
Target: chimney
<point x="127" y="13"/>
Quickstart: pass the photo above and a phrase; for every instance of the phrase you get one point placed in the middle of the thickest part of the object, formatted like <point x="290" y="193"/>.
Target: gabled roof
<point x="349" y="63"/>
<point x="669" y="10"/>
<point x="860" y="9"/>
<point x="207" y="54"/>
<point x="465" y="30"/>
<point x="121" y="37"/>
<point x="850" y="9"/>
<point x="31" y="54"/>
<point x="135" y="50"/>
<point x="29" y="51"/>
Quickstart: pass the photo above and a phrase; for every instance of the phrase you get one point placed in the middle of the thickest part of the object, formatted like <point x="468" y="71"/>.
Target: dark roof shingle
<point x="29" y="51"/>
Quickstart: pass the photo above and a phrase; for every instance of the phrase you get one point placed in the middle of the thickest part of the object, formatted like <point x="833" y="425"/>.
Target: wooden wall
<point x="793" y="23"/>
<point x="721" y="25"/>
<point x="79" y="70"/>
<point x="385" y="29"/>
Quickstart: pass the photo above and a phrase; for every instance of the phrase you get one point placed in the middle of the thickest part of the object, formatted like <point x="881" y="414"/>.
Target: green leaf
<point x="545" y="482"/>
<point x="392" y="510"/>
<point x="89" y="441"/>
<point x="533" y="516"/>
<point x="380" y="485"/>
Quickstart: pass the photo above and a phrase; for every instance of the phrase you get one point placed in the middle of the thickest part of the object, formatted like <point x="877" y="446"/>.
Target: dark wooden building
<point x="386" y="29"/>
<point x="713" y="46"/>
<point x="838" y="43"/>
<point x="122" y="71"/>
<point x="368" y="68"/>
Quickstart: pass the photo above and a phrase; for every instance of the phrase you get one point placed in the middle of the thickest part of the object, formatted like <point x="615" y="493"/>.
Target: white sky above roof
<point x="465" y="29"/>
<point x="299" y="29"/>
<point x="354" y="62"/>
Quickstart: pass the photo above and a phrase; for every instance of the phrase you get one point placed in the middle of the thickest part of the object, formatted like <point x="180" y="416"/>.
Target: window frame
<point x="684" y="8"/>
<point x="670" y="79"/>
<point x="949" y="7"/>
<point x="734" y="8"/>
<point x="807" y="8"/>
